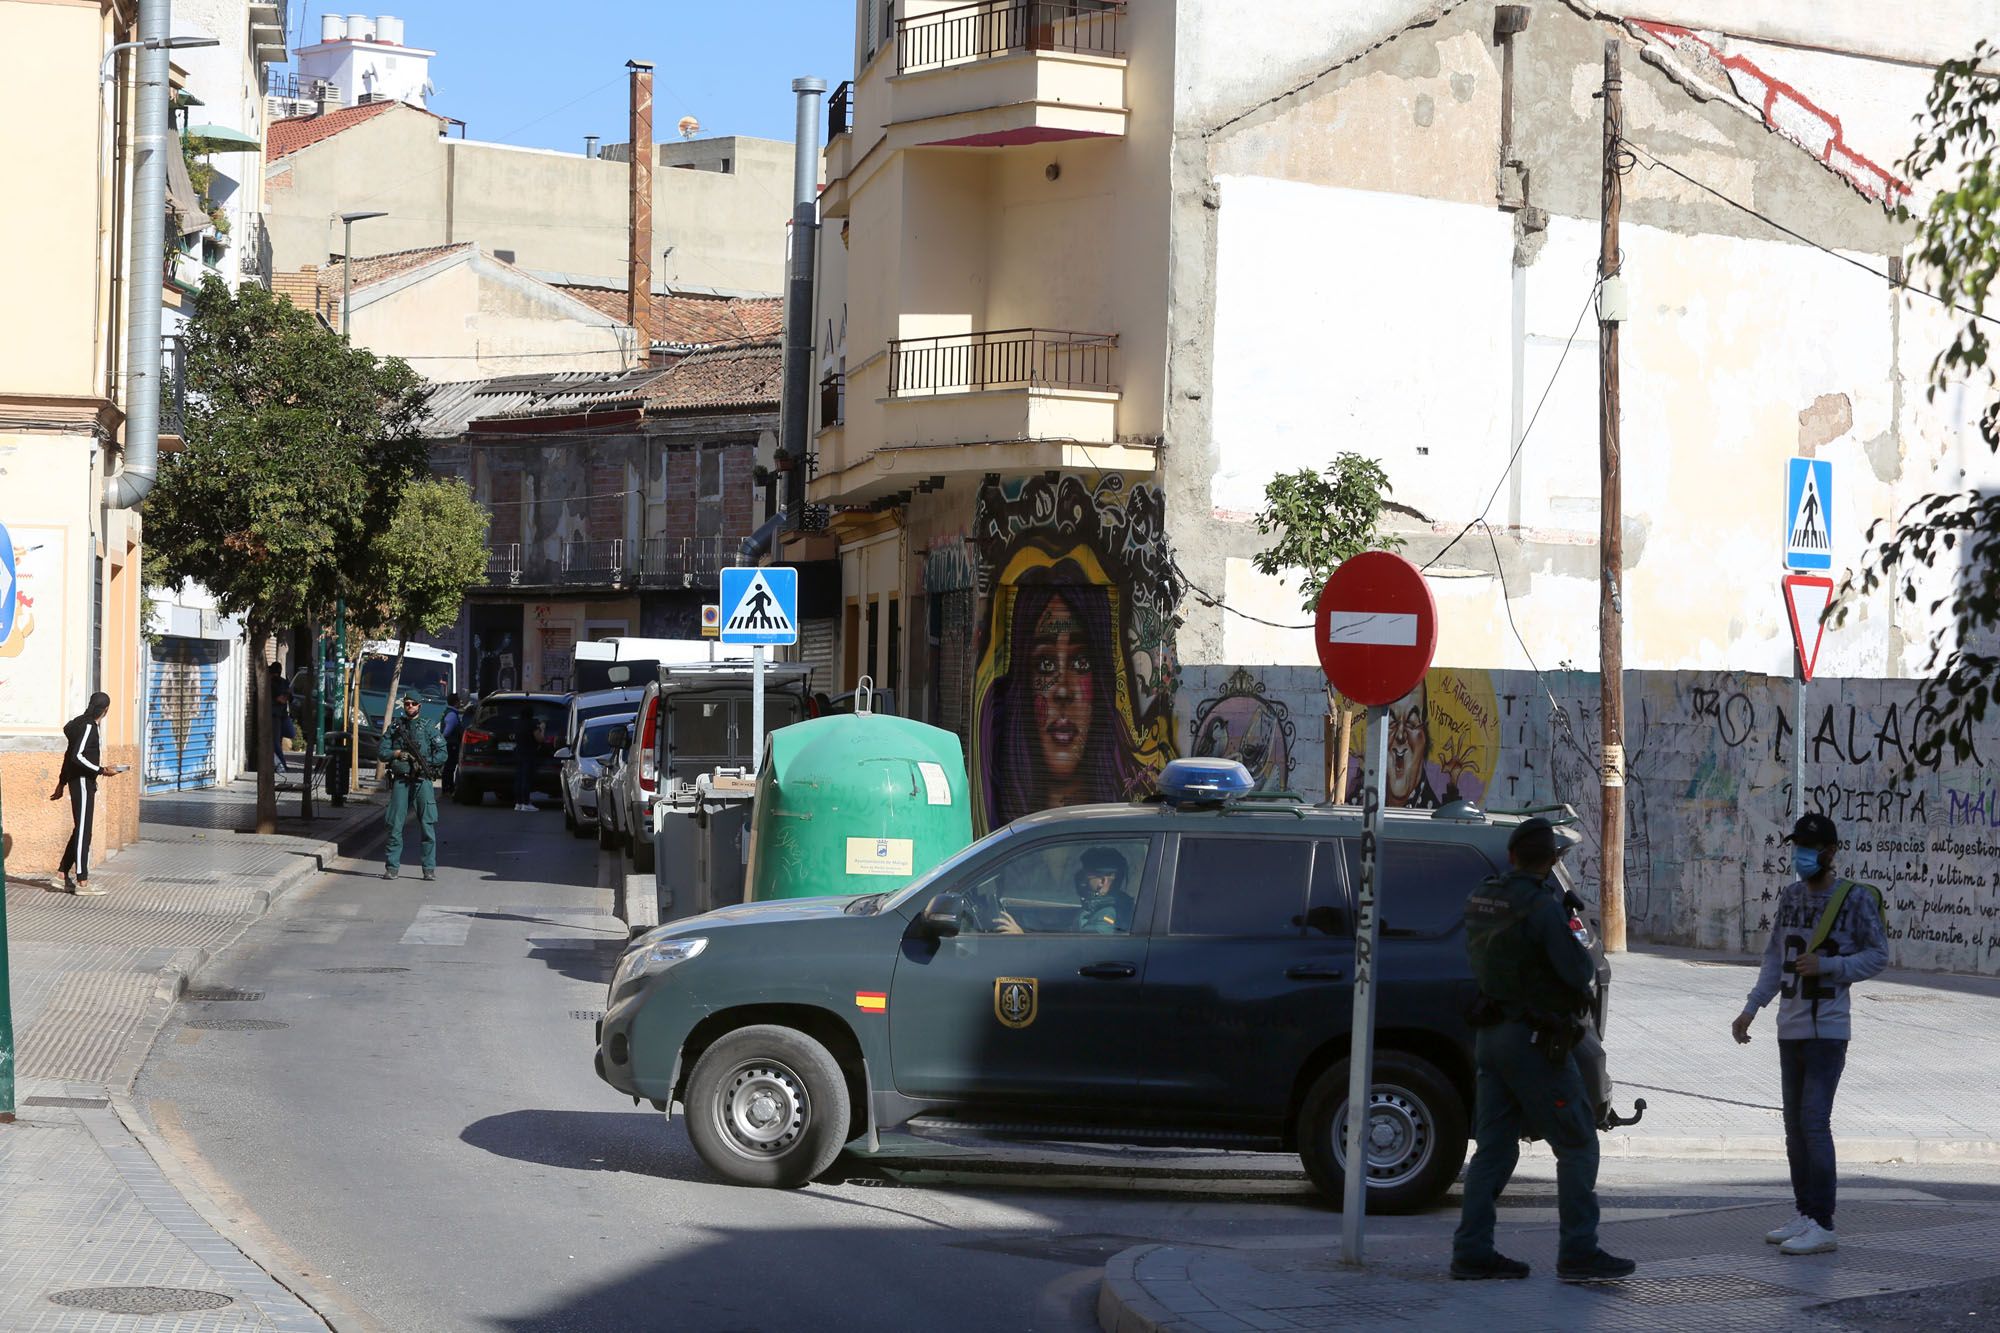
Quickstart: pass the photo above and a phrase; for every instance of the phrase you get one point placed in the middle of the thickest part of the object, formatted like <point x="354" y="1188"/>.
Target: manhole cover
<point x="1694" y="1289"/>
<point x="80" y="1103"/>
<point x="237" y="1024"/>
<point x="141" y="1300"/>
<point x="360" y="969"/>
<point x="587" y="1015"/>
<point x="217" y="996"/>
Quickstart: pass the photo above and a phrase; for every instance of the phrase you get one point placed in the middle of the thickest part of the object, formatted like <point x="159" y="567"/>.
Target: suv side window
<point x="1424" y="885"/>
<point x="1041" y="890"/>
<point x="1241" y="887"/>
<point x="1331" y="910"/>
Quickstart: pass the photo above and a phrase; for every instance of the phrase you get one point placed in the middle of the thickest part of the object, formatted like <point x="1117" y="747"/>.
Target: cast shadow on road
<point x="578" y="959"/>
<point x="642" y="1142"/>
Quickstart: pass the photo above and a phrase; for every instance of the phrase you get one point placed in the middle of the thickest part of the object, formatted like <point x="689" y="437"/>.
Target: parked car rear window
<point x="503" y="716"/>
<point x="1241" y="886"/>
<point x="596" y="742"/>
<point x="1424" y="885"/>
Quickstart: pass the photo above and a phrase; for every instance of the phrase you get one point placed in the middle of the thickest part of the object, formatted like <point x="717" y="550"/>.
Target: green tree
<point x="1956" y="254"/>
<point x="1322" y="519"/>
<point x="432" y="552"/>
<point x="298" y="449"/>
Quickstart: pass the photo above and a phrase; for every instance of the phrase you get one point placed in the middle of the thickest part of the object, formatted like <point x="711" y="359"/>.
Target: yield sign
<point x="1807" y="596"/>
<point x="1376" y="628"/>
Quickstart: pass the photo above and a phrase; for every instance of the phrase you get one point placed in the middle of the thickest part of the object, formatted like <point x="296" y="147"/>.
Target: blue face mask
<point x="1805" y="860"/>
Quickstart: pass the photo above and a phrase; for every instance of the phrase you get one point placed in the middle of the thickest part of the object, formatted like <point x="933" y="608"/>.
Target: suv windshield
<point x="921" y="885"/>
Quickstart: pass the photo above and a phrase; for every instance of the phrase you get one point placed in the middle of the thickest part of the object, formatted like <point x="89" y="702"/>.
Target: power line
<point x="1507" y="605"/>
<point x="1651" y="161"/>
<point x="1525" y="430"/>
<point x="1210" y="599"/>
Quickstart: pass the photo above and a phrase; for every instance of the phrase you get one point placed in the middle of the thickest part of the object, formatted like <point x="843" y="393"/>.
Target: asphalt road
<point x="422" y="1133"/>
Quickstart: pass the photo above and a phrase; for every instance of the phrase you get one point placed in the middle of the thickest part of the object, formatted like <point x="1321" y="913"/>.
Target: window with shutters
<point x="708" y="490"/>
<point x="505" y="501"/>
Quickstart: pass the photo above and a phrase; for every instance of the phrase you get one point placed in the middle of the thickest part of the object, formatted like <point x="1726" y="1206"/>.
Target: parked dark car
<point x="486" y="757"/>
<point x="1211" y="1007"/>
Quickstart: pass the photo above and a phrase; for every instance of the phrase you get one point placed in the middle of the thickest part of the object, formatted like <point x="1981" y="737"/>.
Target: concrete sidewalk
<point x="100" y="1218"/>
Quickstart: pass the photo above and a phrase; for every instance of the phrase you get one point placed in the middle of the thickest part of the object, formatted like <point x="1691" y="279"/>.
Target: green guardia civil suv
<point x="1172" y="972"/>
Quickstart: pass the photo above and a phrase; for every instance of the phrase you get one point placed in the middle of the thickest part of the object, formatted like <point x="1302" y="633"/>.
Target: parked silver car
<point x="582" y="769"/>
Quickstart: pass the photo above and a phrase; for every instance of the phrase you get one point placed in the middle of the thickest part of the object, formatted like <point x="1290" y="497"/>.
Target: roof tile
<point x="288" y="136"/>
<point x="681" y="320"/>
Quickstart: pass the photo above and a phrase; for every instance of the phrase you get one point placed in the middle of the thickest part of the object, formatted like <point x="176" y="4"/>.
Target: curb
<point x="1771" y="1147"/>
<point x="1122" y="1304"/>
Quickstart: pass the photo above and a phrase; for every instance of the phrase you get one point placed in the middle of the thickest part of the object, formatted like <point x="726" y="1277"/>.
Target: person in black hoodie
<point x="82" y="765"/>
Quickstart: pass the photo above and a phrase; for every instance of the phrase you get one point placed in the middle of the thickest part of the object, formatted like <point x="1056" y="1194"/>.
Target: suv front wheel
<point x="767" y="1105"/>
<point x="1416" y="1133"/>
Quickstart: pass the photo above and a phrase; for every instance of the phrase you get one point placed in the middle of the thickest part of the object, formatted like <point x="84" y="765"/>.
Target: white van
<point x="591" y="662"/>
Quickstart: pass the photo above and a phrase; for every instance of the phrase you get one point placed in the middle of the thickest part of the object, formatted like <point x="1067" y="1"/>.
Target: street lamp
<point x="150" y="44"/>
<point x="347" y="221"/>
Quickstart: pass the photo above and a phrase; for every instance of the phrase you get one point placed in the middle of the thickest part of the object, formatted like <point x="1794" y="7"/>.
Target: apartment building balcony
<point x="594" y="562"/>
<point x="685" y="562"/>
<point x="503" y="564"/>
<point x="1003" y="72"/>
<point x="267" y="30"/>
<point x="173" y="387"/>
<point x="998" y="400"/>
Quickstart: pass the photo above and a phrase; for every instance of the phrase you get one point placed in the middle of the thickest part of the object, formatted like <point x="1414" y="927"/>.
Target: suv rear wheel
<point x="767" y="1106"/>
<point x="1416" y="1133"/>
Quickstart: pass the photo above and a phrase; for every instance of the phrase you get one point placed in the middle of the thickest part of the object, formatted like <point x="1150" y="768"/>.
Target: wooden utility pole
<point x="1611" y="543"/>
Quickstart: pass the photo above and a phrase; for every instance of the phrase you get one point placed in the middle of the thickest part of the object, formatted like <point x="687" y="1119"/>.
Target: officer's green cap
<point x="1535" y="839"/>
<point x="410" y="697"/>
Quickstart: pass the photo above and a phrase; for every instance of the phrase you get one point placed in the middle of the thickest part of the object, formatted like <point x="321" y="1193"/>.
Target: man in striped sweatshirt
<point x="1826" y="935"/>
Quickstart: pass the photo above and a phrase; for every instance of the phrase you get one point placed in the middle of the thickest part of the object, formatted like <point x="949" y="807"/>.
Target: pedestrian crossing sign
<point x="1808" y="513"/>
<point x="760" y="605"/>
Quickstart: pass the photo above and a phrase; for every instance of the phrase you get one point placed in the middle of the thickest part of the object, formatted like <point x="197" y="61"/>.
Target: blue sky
<point x="544" y="75"/>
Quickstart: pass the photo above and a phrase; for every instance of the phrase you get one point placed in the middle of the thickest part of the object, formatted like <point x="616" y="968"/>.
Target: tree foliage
<point x="297" y="451"/>
<point x="1321" y="519"/>
<point x="1956" y="255"/>
<point x="433" y="550"/>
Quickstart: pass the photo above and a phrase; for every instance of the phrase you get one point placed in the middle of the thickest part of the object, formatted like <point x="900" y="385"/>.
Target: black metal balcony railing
<point x="503" y="563"/>
<point x="173" y="385"/>
<point x="586" y="561"/>
<point x="840" y="111"/>
<point x="1002" y="359"/>
<point x="994" y="27"/>
<point x="685" y="562"/>
<point x="832" y="400"/>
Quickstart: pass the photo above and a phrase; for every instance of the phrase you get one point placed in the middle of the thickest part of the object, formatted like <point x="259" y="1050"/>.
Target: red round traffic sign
<point x="1376" y="628"/>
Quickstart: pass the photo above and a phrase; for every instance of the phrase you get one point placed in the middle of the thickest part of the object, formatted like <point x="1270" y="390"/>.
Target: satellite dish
<point x="689" y="127"/>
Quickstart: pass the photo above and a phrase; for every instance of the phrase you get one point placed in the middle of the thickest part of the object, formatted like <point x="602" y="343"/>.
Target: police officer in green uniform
<point x="1104" y="907"/>
<point x="414" y="752"/>
<point x="1534" y="984"/>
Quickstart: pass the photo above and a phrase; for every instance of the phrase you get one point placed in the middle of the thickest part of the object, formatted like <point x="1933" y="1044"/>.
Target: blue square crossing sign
<point x="1808" y="513"/>
<point x="760" y="604"/>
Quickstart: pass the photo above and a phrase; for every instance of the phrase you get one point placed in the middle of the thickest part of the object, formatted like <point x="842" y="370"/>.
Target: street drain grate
<point x="237" y="1024"/>
<point x="79" y="1103"/>
<point x="1694" y="1289"/>
<point x="351" y="970"/>
<point x="142" y="1300"/>
<point x="587" y="1015"/>
<point x="217" y="996"/>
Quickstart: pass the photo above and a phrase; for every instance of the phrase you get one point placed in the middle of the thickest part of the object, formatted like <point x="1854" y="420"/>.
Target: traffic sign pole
<point x="1367" y="933"/>
<point x="757" y="713"/>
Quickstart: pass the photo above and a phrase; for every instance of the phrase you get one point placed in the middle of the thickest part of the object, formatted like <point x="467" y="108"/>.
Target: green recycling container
<point x="855" y="803"/>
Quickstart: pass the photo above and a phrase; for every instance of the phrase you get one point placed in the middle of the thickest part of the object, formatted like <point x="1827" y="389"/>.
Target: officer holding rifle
<point x="414" y="752"/>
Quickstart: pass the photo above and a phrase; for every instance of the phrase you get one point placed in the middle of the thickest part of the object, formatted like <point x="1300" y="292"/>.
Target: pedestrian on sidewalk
<point x="413" y="751"/>
<point x="527" y="751"/>
<point x="1534" y="999"/>
<point x="281" y="717"/>
<point x="1826" y="934"/>
<point x="454" y="739"/>
<point x="82" y="766"/>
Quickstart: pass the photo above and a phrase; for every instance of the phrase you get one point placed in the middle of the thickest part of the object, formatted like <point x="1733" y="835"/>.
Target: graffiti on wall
<point x="1242" y="722"/>
<point x="1074" y="684"/>
<point x="1708" y="793"/>
<point x="31" y="651"/>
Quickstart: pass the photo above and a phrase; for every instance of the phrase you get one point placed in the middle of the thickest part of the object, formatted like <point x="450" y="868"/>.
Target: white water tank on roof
<point x="360" y="27"/>
<point x="389" y="28"/>
<point x="332" y="27"/>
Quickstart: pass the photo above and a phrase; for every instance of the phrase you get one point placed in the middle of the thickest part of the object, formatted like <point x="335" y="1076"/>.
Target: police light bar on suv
<point x="1204" y="781"/>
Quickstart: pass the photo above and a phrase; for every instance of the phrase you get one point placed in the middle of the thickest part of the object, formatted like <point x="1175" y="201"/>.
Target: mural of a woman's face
<point x="1064" y="690"/>
<point x="1409" y="745"/>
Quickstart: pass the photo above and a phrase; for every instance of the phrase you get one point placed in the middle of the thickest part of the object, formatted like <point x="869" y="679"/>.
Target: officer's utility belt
<point x="1556" y="1035"/>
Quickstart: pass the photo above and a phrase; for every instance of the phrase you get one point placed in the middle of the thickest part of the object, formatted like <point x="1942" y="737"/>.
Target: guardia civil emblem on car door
<point x="1014" y="1001"/>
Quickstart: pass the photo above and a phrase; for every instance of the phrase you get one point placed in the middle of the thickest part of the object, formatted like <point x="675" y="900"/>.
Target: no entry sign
<point x="1376" y="629"/>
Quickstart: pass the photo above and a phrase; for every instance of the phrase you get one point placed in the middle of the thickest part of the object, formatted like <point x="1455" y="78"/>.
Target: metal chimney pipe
<point x="639" y="234"/>
<point x="140" y="466"/>
<point x="795" y="405"/>
<point x="590" y="145"/>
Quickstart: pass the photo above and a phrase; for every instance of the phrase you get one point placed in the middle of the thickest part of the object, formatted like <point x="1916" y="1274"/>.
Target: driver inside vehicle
<point x="1103" y="894"/>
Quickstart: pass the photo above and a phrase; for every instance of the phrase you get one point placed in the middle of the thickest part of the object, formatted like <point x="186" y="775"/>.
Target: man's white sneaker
<point x="1815" y="1239"/>
<point x="1779" y="1235"/>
